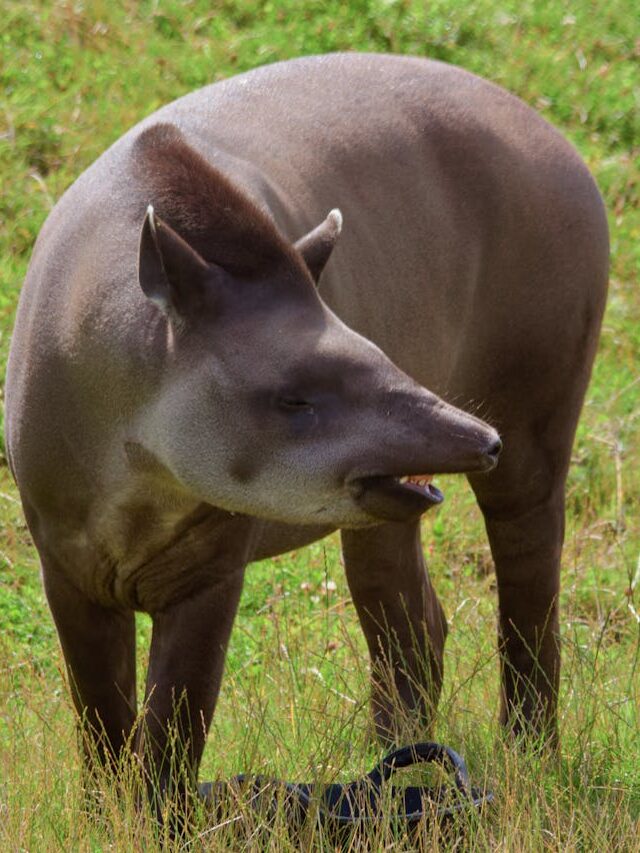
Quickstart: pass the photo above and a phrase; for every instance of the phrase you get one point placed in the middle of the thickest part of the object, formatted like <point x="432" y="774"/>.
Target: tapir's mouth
<point x="396" y="498"/>
<point x="422" y="484"/>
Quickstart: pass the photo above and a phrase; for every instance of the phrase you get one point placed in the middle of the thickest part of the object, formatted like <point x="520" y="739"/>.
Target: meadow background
<point x="73" y="77"/>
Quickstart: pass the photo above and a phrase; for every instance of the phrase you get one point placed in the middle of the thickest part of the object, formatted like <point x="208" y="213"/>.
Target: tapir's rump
<point x="181" y="399"/>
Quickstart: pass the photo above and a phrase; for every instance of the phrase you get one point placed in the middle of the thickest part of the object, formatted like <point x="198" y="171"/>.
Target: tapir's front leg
<point x="99" y="647"/>
<point x="403" y="623"/>
<point x="188" y="649"/>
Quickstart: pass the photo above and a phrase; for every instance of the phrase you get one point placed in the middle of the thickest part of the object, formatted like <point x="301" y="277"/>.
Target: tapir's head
<point x="271" y="406"/>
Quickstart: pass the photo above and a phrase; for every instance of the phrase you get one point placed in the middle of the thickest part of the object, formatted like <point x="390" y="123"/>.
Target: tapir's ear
<point x="171" y="273"/>
<point x="318" y="244"/>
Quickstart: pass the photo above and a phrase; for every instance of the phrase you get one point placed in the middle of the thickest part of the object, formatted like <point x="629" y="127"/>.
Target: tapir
<point x="270" y="311"/>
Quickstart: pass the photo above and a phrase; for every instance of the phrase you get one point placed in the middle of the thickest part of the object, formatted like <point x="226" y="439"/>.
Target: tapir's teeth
<point x="421" y="480"/>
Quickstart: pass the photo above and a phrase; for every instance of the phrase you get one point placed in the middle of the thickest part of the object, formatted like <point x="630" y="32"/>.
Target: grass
<point x="74" y="76"/>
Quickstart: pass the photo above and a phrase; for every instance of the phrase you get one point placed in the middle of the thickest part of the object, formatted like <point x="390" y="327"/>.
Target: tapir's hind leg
<point x="523" y="506"/>
<point x="99" y="649"/>
<point x="403" y="623"/>
<point x="532" y="373"/>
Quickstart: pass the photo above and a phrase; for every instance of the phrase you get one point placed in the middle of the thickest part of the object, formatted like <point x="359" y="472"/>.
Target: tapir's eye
<point x="294" y="405"/>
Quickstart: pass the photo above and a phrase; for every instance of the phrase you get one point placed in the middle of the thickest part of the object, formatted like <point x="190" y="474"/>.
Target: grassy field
<point x="74" y="76"/>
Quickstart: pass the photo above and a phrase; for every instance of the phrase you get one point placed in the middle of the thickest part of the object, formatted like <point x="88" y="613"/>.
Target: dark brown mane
<point x="203" y="206"/>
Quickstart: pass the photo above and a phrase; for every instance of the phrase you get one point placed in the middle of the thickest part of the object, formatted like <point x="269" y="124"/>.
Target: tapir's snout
<point x="432" y="437"/>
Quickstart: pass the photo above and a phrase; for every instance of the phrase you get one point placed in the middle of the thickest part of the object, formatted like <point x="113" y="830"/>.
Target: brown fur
<point x="154" y="464"/>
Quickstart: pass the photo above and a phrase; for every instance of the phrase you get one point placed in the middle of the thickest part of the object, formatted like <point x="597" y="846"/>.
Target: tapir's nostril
<point x="495" y="448"/>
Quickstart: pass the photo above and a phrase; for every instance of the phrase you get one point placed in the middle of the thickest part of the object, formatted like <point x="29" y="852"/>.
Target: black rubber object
<point x="359" y="802"/>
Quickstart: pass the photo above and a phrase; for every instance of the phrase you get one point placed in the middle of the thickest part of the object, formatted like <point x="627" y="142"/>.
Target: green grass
<point x="294" y="702"/>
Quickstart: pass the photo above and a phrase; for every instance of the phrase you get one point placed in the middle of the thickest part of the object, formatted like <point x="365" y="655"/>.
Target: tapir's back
<point x="469" y="220"/>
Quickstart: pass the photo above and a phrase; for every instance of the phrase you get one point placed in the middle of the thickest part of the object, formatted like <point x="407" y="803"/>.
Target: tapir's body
<point x="474" y="254"/>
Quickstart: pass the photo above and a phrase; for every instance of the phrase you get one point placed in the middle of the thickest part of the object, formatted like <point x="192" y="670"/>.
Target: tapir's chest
<point x="147" y="557"/>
